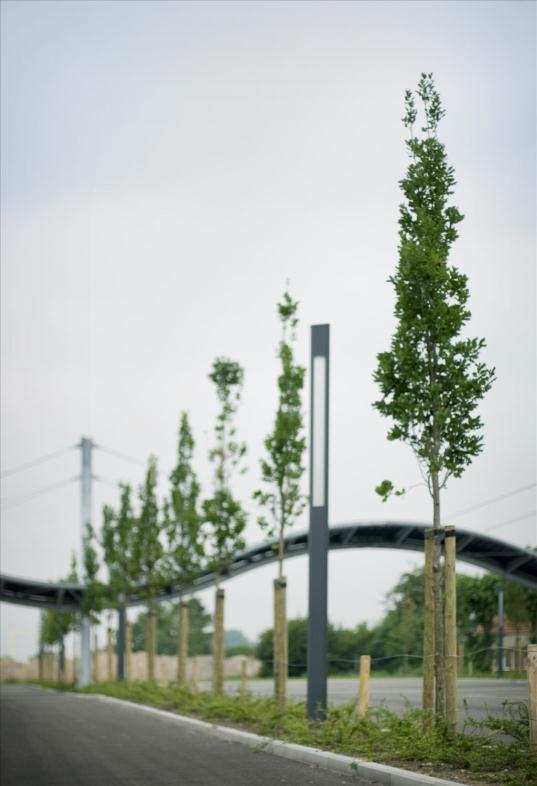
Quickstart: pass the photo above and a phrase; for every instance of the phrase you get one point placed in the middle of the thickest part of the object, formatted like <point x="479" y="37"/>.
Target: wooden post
<point x="128" y="651"/>
<point x="244" y="677"/>
<point x="95" y="657"/>
<point x="110" y="654"/>
<point x="182" y="644"/>
<point x="450" y="627"/>
<point x="151" y="643"/>
<point x="532" y="696"/>
<point x="428" y="631"/>
<point x="363" y="690"/>
<point x="218" y="643"/>
<point x="280" y="643"/>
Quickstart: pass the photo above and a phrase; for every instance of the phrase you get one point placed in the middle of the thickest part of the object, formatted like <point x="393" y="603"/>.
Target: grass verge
<point x="492" y="751"/>
<point x="482" y="754"/>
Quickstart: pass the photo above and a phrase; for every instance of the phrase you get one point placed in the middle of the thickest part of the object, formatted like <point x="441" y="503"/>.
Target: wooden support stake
<point x="218" y="643"/>
<point x="532" y="696"/>
<point x="244" y="677"/>
<point x="450" y="627"/>
<point x="128" y="651"/>
<point x="363" y="690"/>
<point x="428" y="631"/>
<point x="280" y="643"/>
<point x="151" y="643"/>
<point x="182" y="648"/>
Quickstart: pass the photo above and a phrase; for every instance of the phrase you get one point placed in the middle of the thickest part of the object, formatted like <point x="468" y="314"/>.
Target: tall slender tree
<point x="147" y="552"/>
<point x="117" y="541"/>
<point x="184" y="532"/>
<point x="223" y="513"/>
<point x="431" y="379"/>
<point x="94" y="592"/>
<point x="281" y="473"/>
<point x="56" y="625"/>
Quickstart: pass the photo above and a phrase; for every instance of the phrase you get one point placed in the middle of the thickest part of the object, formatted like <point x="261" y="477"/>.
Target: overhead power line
<point x="107" y="481"/>
<point x="26" y="497"/>
<point x="122" y="456"/>
<point x="511" y="521"/>
<point x="36" y="462"/>
<point x="486" y="502"/>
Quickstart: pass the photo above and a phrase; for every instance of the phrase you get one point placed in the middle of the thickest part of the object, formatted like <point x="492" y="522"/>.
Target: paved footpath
<point x="61" y="739"/>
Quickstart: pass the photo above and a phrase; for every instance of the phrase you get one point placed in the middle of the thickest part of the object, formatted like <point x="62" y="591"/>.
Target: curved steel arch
<point x="504" y="559"/>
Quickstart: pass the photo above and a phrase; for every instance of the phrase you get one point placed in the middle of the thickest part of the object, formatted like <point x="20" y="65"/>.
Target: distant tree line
<point x="395" y="643"/>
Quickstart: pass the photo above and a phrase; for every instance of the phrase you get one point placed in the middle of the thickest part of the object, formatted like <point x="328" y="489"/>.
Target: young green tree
<point x="147" y="553"/>
<point x="431" y="379"/>
<point x="56" y="625"/>
<point x="184" y="532"/>
<point x="281" y="472"/>
<point x="117" y="542"/>
<point x="224" y="514"/>
<point x="183" y="522"/>
<point x="94" y="592"/>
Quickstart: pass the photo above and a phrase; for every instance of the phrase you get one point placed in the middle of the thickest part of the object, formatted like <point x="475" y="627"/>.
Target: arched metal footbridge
<point x="505" y="559"/>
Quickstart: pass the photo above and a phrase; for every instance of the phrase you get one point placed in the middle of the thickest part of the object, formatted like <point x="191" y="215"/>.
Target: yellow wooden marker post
<point x="244" y="677"/>
<point x="182" y="650"/>
<point x="218" y="643"/>
<point x="363" y="690"/>
<point x="532" y="696"/>
<point x="450" y="627"/>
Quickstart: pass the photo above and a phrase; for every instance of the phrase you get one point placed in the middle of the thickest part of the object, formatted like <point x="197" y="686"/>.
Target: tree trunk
<point x="280" y="642"/>
<point x="61" y="660"/>
<point x="439" y="662"/>
<point x="40" y="664"/>
<point x="218" y="643"/>
<point x="182" y="644"/>
<point x="151" y="642"/>
<point x="128" y="651"/>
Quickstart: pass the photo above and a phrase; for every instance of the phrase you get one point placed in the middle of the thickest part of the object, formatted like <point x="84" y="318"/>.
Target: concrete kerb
<point x="380" y="773"/>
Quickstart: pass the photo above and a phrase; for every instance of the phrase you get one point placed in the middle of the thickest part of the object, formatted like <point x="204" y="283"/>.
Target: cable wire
<point x="122" y="456"/>
<point x="27" y="497"/>
<point x="36" y="462"/>
<point x="486" y="502"/>
<point x="511" y="521"/>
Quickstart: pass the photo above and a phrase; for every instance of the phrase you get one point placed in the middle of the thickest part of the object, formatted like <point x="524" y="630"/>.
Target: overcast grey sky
<point x="165" y="168"/>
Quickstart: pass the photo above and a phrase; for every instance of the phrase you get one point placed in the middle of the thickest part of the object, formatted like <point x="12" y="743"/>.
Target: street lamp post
<point x="86" y="478"/>
<point x="318" y="531"/>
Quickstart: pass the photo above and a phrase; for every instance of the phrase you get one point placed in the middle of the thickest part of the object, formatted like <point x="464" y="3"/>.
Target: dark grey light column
<point x="318" y="532"/>
<point x="501" y="625"/>
<point x="120" y="644"/>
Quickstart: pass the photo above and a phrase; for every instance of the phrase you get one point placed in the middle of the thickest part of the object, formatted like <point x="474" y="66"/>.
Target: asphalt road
<point x="61" y="739"/>
<point x="477" y="697"/>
